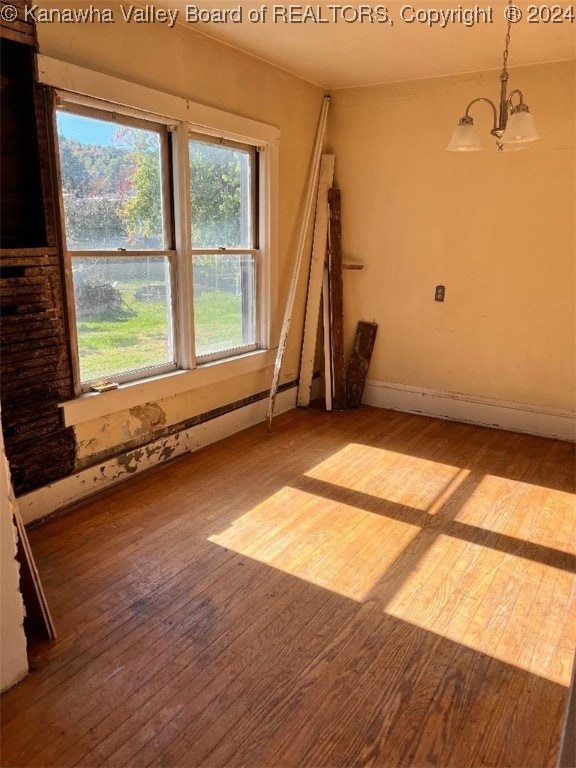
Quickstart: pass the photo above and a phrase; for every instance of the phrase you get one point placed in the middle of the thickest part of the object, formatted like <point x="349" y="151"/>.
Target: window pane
<point x="221" y="196"/>
<point x="111" y="184"/>
<point x="223" y="302"/>
<point x="123" y="313"/>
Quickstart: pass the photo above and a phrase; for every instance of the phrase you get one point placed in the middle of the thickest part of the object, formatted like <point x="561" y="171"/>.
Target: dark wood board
<point x="359" y="362"/>
<point x="336" y="291"/>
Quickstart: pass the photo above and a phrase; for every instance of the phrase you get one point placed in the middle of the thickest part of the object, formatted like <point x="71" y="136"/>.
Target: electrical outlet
<point x="440" y="293"/>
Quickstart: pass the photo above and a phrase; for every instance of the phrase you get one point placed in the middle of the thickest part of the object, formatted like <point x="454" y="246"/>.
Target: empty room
<point x="288" y="385"/>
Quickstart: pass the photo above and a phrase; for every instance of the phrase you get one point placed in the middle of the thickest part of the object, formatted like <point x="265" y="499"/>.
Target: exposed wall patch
<point x="63" y="493"/>
<point x="151" y="416"/>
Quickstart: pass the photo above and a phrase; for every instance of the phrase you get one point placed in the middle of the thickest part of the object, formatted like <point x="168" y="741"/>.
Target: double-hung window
<point x="163" y="225"/>
<point x="118" y="224"/>
<point x="224" y="227"/>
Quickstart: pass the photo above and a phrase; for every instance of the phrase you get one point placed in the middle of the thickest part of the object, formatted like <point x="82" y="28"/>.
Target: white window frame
<point x="82" y="86"/>
<point x="254" y="251"/>
<point x="84" y="109"/>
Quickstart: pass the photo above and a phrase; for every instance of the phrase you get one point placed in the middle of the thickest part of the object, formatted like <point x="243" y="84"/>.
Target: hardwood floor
<point x="365" y="588"/>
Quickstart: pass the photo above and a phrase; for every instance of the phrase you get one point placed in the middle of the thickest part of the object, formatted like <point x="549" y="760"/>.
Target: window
<point x="117" y="219"/>
<point x="224" y="245"/>
<point x="163" y="227"/>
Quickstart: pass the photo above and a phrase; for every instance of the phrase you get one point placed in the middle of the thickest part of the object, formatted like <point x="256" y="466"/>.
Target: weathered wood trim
<point x="17" y="36"/>
<point x="359" y="362"/>
<point x="42" y="253"/>
<point x="94" y="405"/>
<point x="79" y="81"/>
<point x="336" y="293"/>
<point x="316" y="272"/>
<point x="472" y="409"/>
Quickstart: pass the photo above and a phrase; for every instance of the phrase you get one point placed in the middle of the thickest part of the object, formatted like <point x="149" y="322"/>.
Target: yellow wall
<point x="181" y="62"/>
<point x="497" y="229"/>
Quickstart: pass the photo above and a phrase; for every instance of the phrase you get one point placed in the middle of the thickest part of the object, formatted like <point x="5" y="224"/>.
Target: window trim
<point x="252" y="151"/>
<point x="85" y="109"/>
<point x="83" y="86"/>
<point x="92" y="405"/>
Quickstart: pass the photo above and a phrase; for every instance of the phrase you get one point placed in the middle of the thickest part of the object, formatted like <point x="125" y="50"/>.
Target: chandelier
<point x="513" y="125"/>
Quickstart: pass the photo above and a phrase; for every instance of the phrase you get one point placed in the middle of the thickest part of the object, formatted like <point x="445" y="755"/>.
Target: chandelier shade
<point x="520" y="128"/>
<point x="465" y="138"/>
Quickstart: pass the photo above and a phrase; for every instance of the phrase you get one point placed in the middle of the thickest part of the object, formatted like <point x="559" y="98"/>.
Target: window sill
<point x="93" y="405"/>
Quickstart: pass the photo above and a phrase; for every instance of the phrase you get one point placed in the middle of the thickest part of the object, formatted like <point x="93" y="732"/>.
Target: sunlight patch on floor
<point x="395" y="477"/>
<point x="333" y="545"/>
<point x="514" y="609"/>
<point x="541" y="511"/>
<point x="353" y="537"/>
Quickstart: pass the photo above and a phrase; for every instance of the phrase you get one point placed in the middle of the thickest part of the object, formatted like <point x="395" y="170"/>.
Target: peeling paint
<point x="121" y="431"/>
<point x="166" y="452"/>
<point x="128" y="462"/>
<point x="38" y="504"/>
<point x="157" y="452"/>
<point x="151" y="416"/>
<point x="151" y="427"/>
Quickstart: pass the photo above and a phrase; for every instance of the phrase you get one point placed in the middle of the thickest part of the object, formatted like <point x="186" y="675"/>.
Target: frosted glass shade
<point x="520" y="128"/>
<point x="464" y="139"/>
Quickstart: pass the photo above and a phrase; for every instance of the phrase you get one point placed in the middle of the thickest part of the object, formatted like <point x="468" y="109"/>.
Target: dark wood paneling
<point x="34" y="355"/>
<point x="35" y="371"/>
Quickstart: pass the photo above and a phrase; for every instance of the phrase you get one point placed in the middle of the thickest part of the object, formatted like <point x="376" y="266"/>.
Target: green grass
<point x="217" y="321"/>
<point x="110" y="345"/>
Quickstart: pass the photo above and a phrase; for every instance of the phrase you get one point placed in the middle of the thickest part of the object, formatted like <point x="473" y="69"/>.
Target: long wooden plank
<point x="30" y="255"/>
<point x="336" y="302"/>
<point x="312" y="185"/>
<point x="316" y="274"/>
<point x="11" y="346"/>
<point x="38" y="618"/>
<point x="359" y="362"/>
<point x="23" y="284"/>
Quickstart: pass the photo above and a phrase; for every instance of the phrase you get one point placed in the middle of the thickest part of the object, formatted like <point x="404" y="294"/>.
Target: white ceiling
<point x="345" y="54"/>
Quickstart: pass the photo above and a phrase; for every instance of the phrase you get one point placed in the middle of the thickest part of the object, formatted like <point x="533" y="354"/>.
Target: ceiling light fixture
<point x="513" y="125"/>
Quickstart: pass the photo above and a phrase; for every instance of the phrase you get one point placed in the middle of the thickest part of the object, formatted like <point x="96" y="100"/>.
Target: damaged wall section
<point x="185" y="437"/>
<point x="117" y="433"/>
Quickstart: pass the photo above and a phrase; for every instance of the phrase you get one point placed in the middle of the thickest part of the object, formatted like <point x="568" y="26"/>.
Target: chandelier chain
<point x="507" y="41"/>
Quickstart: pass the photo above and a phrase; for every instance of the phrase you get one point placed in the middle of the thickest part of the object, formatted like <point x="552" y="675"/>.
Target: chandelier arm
<point x="513" y="93"/>
<point x="494" y="110"/>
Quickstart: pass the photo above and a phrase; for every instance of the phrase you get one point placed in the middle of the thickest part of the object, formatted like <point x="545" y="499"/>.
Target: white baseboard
<point x="62" y="493"/>
<point x="484" y="411"/>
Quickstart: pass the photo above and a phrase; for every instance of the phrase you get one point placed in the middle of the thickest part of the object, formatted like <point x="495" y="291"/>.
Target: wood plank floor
<point x="364" y="588"/>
